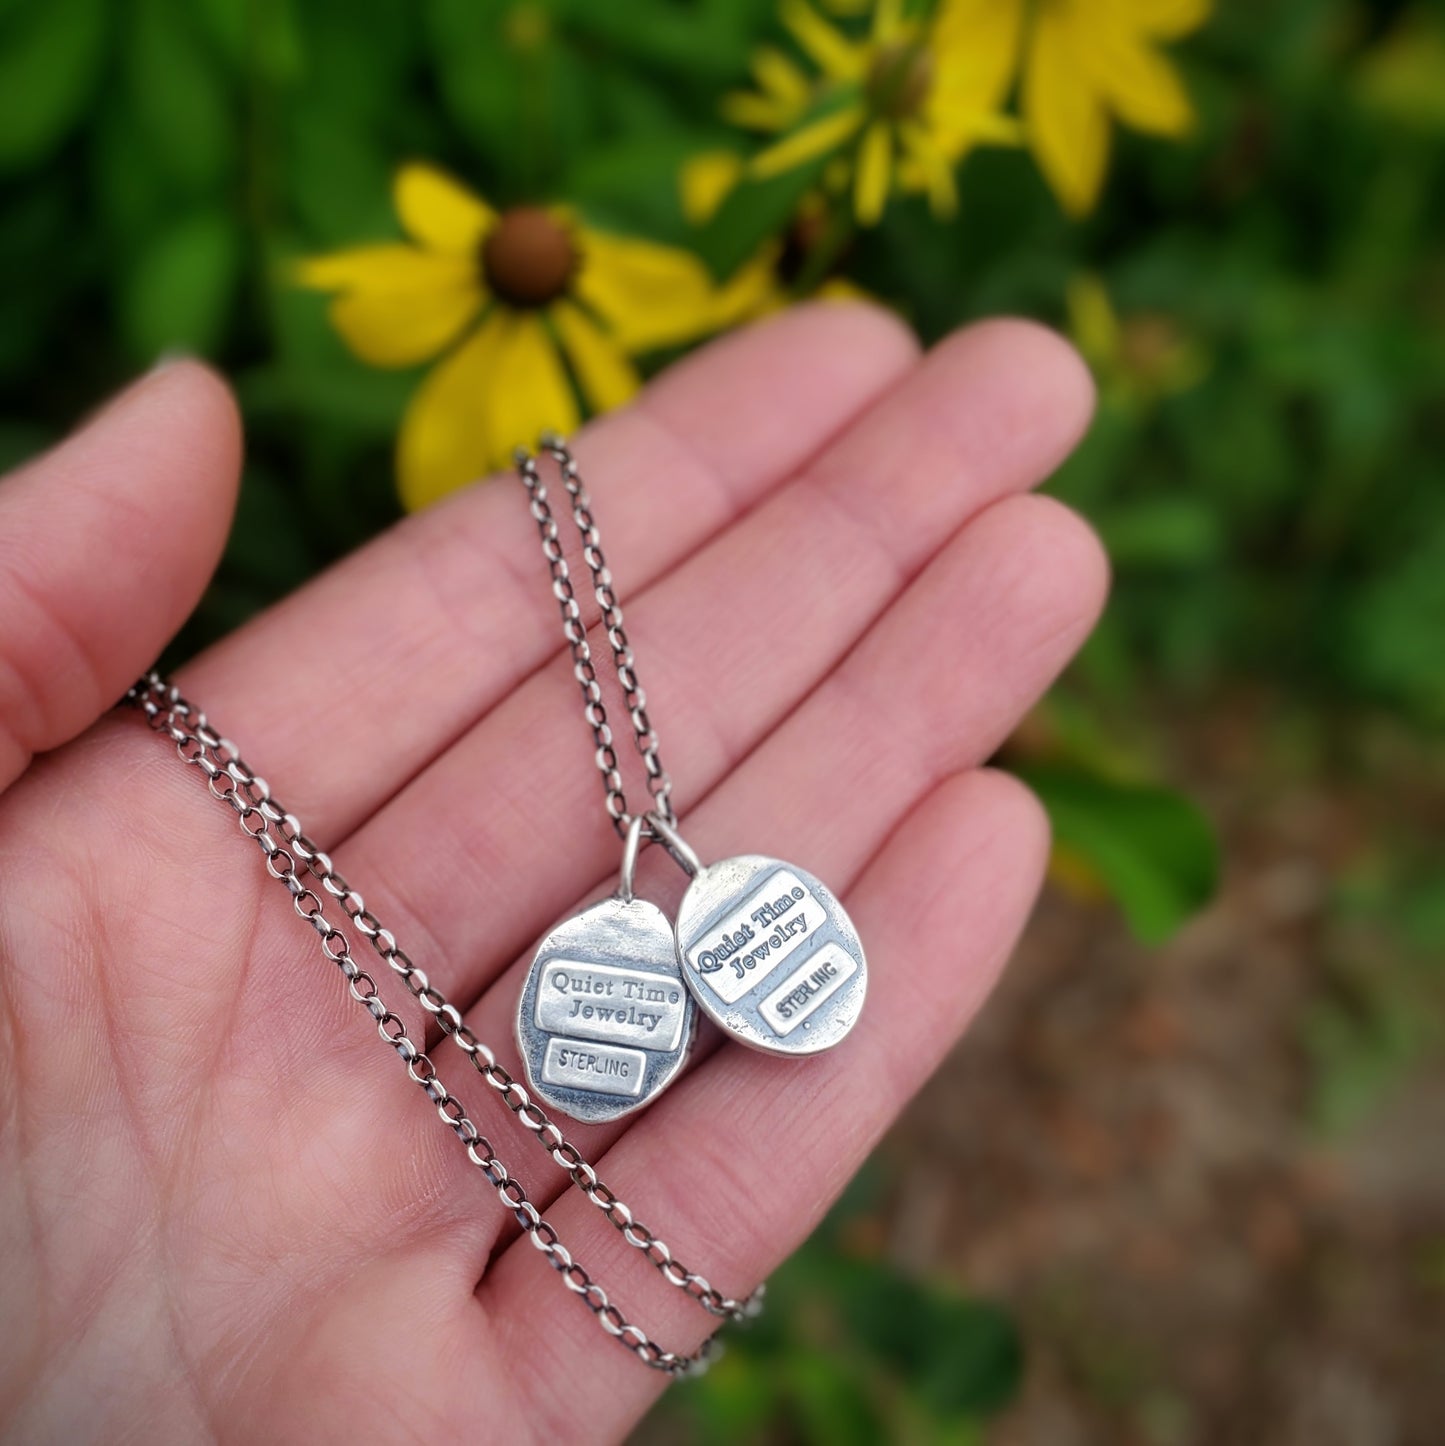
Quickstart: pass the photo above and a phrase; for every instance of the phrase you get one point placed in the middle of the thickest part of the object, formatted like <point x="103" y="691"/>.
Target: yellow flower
<point x="1089" y="62"/>
<point x="911" y="100"/>
<point x="531" y="308"/>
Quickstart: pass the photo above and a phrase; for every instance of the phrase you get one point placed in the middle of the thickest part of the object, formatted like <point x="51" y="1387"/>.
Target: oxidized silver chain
<point x="644" y="734"/>
<point x="290" y="857"/>
<point x="608" y="1010"/>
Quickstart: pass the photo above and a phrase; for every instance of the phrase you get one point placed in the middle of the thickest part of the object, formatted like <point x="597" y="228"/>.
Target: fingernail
<point x="168" y="359"/>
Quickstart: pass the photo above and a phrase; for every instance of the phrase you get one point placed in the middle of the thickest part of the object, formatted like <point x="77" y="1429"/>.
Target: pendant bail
<point x="631" y="846"/>
<point x="653" y="825"/>
<point x="668" y="836"/>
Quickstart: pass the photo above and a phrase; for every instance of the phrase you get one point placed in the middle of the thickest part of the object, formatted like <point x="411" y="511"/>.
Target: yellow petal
<point x="806" y="144"/>
<point x="384" y="265"/>
<point x="750" y="112"/>
<point x="887" y="21"/>
<point x="705" y="181"/>
<point x="1143" y="87"/>
<point x="975" y="46"/>
<point x="1093" y="323"/>
<point x="647" y="295"/>
<point x="398" y="305"/>
<point x="503" y="386"/>
<point x="1067" y="125"/>
<point x="442" y="445"/>
<point x="840" y="289"/>
<point x="779" y="77"/>
<point x="400" y="329"/>
<point x="1166" y="19"/>
<point x="438" y="211"/>
<point x="993" y="128"/>
<point x="752" y="290"/>
<point x="924" y="166"/>
<point x="530" y="393"/>
<point x="606" y="376"/>
<point x="873" y="173"/>
<point x="956" y="126"/>
<point x="828" y="48"/>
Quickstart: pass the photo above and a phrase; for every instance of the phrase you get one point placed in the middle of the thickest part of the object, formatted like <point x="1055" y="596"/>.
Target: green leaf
<point x="49" y="57"/>
<point x="959" y="1357"/>
<point x="268" y="550"/>
<point x="178" y="294"/>
<point x="706" y="44"/>
<point x="1391" y="631"/>
<point x="130" y="193"/>
<point x="1153" y="849"/>
<point x="829" y="1396"/>
<point x="756" y="210"/>
<point x="260" y="38"/>
<point x="179" y="96"/>
<point x="633" y="187"/>
<point x="1360" y="1050"/>
<point x="735" y="1401"/>
<point x="1160" y="532"/>
<point x="490" y="75"/>
<point x="37" y="250"/>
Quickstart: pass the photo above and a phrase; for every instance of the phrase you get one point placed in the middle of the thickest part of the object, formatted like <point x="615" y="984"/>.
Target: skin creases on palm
<point x="226" y="1211"/>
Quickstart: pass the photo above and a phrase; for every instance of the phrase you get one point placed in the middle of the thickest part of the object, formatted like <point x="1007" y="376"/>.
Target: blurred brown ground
<point x="1127" y="1149"/>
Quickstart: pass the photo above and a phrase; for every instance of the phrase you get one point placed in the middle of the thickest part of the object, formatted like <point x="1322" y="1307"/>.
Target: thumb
<point x="106" y="544"/>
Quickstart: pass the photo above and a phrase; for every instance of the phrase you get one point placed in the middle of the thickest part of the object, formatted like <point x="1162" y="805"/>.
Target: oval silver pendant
<point x="770" y="955"/>
<point x="605" y="1023"/>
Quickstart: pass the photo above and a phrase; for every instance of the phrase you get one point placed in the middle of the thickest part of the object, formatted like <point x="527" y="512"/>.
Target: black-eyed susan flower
<point x="1088" y="63"/>
<point x="537" y="315"/>
<point x="911" y="98"/>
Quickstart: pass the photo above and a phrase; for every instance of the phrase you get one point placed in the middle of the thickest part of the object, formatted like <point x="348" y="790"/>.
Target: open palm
<point x="224" y="1211"/>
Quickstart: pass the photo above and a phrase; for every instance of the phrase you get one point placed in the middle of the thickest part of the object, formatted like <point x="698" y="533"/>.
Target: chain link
<point x="292" y="857"/>
<point x="659" y="784"/>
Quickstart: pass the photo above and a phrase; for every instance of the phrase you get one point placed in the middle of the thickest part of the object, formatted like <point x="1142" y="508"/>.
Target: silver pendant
<point x="605" y="1023"/>
<point x="769" y="954"/>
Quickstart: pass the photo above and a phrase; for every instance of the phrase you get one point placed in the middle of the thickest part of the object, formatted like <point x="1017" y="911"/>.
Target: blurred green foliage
<point x="852" y="1351"/>
<point x="1264" y="467"/>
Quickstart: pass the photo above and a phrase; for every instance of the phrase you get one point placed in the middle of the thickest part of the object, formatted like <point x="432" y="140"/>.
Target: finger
<point x="740" y="1160"/>
<point x="430" y="625"/>
<point x="932" y="689"/>
<point x="729" y="644"/>
<point x="106" y="544"/>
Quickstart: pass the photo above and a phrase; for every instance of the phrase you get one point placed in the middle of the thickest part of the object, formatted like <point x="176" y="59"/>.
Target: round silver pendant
<point x="770" y="955"/>
<point x="605" y="1023"/>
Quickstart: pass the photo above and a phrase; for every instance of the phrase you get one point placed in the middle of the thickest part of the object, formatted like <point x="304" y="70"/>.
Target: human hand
<point x="224" y="1211"/>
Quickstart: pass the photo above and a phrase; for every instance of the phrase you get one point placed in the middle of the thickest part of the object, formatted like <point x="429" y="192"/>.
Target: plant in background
<point x="538" y="319"/>
<point x="900" y="108"/>
<point x="895" y="109"/>
<point x="537" y="313"/>
<point x="1088" y="62"/>
<point x="853" y="1349"/>
<point x="782" y="269"/>
<point x="1137" y="360"/>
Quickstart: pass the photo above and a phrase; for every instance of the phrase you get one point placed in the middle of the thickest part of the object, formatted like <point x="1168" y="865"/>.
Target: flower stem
<point x="832" y="241"/>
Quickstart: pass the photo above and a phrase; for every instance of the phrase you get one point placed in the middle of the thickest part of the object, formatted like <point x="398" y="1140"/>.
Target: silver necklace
<point x="302" y="867"/>
<point x="763" y="947"/>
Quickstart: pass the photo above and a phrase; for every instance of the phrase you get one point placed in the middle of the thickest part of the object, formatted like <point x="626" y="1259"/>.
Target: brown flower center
<point x="528" y="257"/>
<point x="899" y="80"/>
